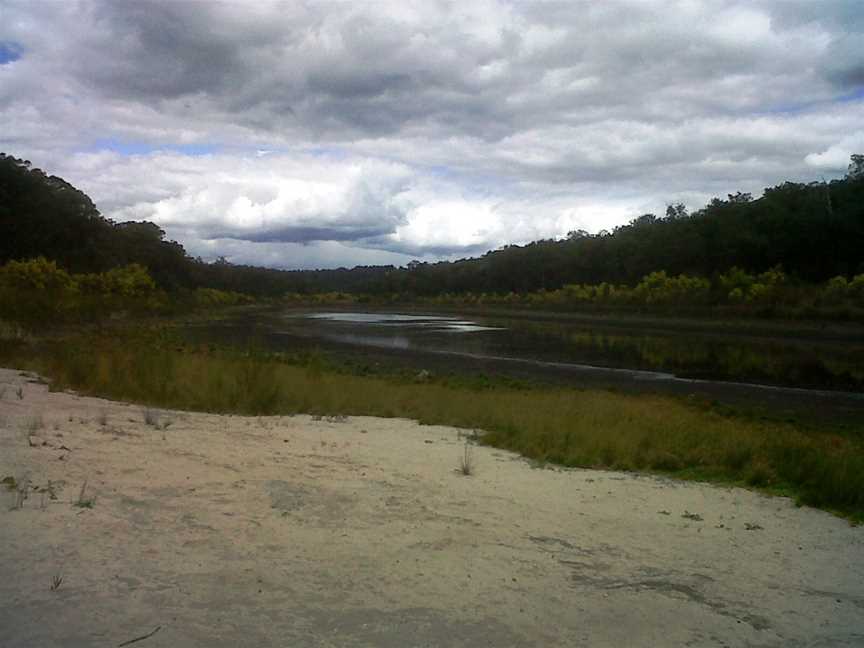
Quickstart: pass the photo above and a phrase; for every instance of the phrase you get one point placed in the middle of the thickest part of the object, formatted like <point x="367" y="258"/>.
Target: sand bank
<point x="290" y="531"/>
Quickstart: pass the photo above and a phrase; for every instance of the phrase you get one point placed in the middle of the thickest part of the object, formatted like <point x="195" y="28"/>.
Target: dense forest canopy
<point x="814" y="231"/>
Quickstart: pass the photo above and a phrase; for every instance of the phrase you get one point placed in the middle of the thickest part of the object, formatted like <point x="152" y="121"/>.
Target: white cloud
<point x="394" y="129"/>
<point x="835" y="159"/>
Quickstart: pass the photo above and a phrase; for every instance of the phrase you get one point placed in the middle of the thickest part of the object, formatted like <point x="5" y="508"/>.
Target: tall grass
<point x="564" y="426"/>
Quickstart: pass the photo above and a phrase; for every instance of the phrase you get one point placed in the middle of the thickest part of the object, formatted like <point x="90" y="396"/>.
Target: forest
<point x="795" y="251"/>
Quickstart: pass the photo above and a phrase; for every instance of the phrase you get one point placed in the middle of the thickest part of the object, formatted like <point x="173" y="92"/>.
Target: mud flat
<point x="206" y="530"/>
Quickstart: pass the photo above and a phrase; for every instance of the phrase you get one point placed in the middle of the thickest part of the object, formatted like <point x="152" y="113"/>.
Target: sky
<point x="332" y="134"/>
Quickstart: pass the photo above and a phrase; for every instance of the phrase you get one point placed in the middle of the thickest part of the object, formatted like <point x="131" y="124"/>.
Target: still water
<point x="544" y="344"/>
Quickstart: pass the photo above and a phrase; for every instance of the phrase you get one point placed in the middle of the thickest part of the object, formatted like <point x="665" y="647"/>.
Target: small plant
<point x="466" y="461"/>
<point x="84" y="501"/>
<point x="50" y="490"/>
<point x="473" y="435"/>
<point x="151" y="416"/>
<point x="56" y="581"/>
<point x="156" y="419"/>
<point x="22" y="490"/>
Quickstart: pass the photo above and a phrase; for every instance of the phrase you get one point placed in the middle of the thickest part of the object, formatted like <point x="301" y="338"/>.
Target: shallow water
<point x="544" y="345"/>
<point x="428" y="322"/>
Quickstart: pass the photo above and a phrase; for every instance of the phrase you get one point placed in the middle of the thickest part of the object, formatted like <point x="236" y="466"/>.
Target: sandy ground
<point x="289" y="531"/>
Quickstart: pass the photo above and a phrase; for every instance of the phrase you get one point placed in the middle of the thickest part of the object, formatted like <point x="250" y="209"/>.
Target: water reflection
<point x="389" y="342"/>
<point x="796" y="363"/>
<point x="610" y="347"/>
<point x="376" y="318"/>
<point x="436" y="322"/>
<point x="694" y="356"/>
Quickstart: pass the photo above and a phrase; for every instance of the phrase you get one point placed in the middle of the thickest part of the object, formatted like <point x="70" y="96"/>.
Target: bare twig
<point x="141" y="638"/>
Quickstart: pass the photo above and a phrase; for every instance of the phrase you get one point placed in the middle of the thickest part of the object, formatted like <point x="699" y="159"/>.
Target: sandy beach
<point x="205" y="530"/>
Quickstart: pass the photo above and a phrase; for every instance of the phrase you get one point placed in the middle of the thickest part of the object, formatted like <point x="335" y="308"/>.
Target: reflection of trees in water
<point x="812" y="366"/>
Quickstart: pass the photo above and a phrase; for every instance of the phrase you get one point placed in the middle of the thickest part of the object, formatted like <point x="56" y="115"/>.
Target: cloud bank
<point x="309" y="134"/>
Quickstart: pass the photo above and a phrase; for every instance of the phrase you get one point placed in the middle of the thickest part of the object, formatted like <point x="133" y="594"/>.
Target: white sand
<point x="285" y="531"/>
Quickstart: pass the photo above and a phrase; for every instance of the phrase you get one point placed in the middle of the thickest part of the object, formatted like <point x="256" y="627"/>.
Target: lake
<point x="615" y="353"/>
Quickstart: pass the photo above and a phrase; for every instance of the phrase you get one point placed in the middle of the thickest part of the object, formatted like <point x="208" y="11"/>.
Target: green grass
<point x="599" y="429"/>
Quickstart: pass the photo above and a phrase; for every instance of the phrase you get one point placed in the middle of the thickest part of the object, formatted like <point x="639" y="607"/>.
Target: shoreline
<point x="227" y="530"/>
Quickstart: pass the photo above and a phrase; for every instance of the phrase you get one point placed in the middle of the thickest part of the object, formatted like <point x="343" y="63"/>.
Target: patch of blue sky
<point x="855" y="95"/>
<point x="9" y="52"/>
<point x="442" y="171"/>
<point x="329" y="152"/>
<point x="128" y="147"/>
<point x="795" y="108"/>
<point x="479" y="183"/>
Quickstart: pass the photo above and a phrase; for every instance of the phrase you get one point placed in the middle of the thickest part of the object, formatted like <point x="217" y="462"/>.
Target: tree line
<point x="813" y="232"/>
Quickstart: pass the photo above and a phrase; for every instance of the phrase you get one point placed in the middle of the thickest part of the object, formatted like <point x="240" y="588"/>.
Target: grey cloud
<point x="846" y="66"/>
<point x="334" y="72"/>
<point x="302" y="234"/>
<point x="291" y="256"/>
<point x="163" y="50"/>
<point x="415" y="250"/>
<point x="836" y="15"/>
<point x="544" y="106"/>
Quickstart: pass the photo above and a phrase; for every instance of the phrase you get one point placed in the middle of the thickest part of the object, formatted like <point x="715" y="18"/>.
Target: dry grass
<point x="564" y="426"/>
<point x="22" y="492"/>
<point x="466" y="464"/>
<point x="151" y="416"/>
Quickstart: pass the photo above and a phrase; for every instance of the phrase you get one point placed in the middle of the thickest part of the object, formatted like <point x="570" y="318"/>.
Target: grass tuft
<point x="83" y="500"/>
<point x="151" y="416"/>
<point x="466" y="464"/>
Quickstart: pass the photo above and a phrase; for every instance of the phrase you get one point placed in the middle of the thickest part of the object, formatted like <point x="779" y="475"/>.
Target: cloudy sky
<point x="325" y="134"/>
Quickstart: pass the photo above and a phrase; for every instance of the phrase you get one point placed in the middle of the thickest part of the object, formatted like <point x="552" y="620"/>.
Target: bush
<point x="36" y="292"/>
